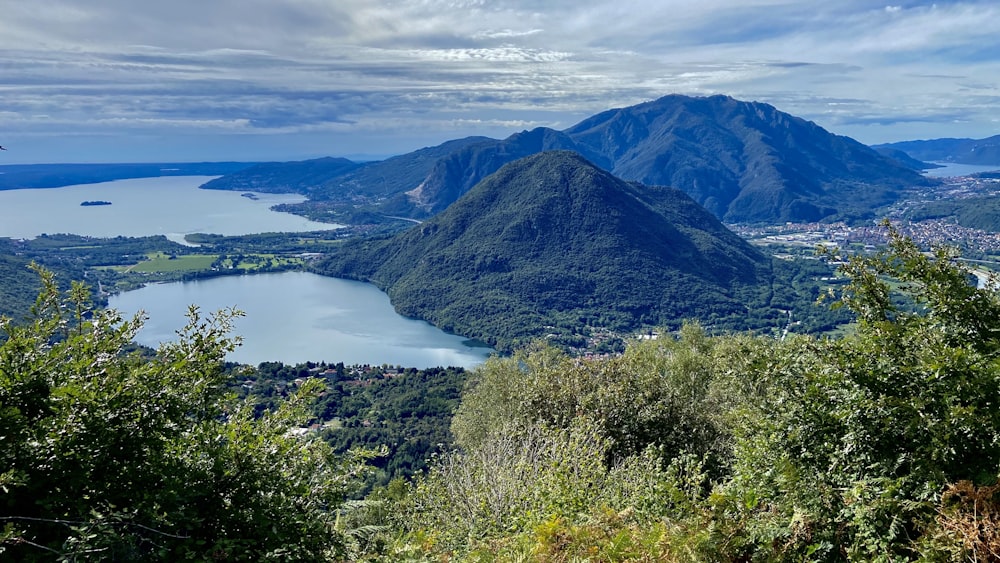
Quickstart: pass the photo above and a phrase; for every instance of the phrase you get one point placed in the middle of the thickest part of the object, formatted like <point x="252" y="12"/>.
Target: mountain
<point x="394" y="175"/>
<point x="552" y="241"/>
<point x="456" y="173"/>
<point x="961" y="151"/>
<point x="905" y="159"/>
<point x="327" y="179"/>
<point x="745" y="161"/>
<point x="283" y="177"/>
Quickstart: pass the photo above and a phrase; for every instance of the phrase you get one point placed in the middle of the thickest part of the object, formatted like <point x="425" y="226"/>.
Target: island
<point x="250" y="195"/>
<point x="95" y="202"/>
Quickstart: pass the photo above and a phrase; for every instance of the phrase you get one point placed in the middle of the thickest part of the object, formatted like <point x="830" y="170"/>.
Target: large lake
<point x="296" y="316"/>
<point x="169" y="205"/>
<point x="952" y="169"/>
<point x="291" y="317"/>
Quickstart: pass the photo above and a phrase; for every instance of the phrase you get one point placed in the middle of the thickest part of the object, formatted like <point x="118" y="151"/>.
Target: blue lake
<point x="952" y="169"/>
<point x="171" y="205"/>
<point x="296" y="316"/>
<point x="290" y="317"/>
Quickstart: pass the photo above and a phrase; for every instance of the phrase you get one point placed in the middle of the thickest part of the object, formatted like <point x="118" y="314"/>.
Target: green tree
<point x="881" y="445"/>
<point x="111" y="455"/>
<point x="656" y="393"/>
<point x="843" y="447"/>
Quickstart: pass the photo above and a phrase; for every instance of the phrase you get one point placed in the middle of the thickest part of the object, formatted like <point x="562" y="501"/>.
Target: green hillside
<point x="981" y="212"/>
<point x="964" y="151"/>
<point x="552" y="243"/>
<point x="283" y="177"/>
<point x="744" y="161"/>
<point x="878" y="445"/>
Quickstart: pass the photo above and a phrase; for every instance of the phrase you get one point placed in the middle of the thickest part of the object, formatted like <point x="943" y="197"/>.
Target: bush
<point x="112" y="455"/>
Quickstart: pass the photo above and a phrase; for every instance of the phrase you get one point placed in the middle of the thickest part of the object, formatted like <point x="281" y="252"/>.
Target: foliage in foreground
<point x="109" y="455"/>
<point x="883" y="445"/>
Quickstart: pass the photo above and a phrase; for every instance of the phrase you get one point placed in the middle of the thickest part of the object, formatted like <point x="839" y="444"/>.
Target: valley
<point x="626" y="360"/>
<point x="525" y="259"/>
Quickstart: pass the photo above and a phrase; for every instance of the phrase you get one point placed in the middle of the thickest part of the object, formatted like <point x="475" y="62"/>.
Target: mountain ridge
<point x="745" y="161"/>
<point x="960" y="151"/>
<point x="552" y="240"/>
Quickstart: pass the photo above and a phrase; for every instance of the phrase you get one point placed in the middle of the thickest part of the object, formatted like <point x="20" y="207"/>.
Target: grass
<point x="161" y="262"/>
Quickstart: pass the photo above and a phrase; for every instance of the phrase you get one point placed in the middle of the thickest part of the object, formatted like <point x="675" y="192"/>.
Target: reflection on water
<point x="949" y="169"/>
<point x="171" y="205"/>
<point x="296" y="317"/>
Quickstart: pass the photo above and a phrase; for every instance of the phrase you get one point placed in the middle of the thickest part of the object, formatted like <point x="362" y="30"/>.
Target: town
<point x="927" y="232"/>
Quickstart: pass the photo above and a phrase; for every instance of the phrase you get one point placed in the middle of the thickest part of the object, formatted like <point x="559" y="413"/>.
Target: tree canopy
<point x="881" y="445"/>
<point x="110" y="454"/>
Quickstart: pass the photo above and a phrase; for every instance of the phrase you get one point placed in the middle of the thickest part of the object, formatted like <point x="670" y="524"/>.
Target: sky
<point x="255" y="80"/>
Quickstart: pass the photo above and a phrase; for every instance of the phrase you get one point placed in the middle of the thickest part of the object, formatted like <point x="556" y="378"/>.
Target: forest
<point x="878" y="445"/>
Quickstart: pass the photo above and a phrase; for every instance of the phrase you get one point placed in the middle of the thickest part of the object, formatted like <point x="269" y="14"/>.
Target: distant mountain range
<point x="20" y="176"/>
<point x="960" y="151"/>
<point x="552" y="242"/>
<point x="744" y="161"/>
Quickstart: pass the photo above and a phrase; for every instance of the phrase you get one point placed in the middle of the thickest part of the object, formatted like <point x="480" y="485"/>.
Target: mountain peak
<point x="744" y="161"/>
<point x="552" y="235"/>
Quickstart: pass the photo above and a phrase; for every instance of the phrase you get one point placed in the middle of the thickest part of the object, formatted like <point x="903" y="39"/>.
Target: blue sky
<point x="120" y="80"/>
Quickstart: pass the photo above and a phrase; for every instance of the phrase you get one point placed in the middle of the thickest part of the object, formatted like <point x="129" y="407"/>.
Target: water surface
<point x="949" y="169"/>
<point x="168" y="205"/>
<point x="295" y="317"/>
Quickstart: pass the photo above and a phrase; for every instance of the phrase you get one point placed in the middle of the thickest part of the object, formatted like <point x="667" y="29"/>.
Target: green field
<point x="161" y="262"/>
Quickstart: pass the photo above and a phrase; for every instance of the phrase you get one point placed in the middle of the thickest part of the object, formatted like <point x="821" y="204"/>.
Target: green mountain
<point x="962" y="151"/>
<point x="456" y="173"/>
<point x="745" y="161"/>
<point x="328" y="179"/>
<point x="905" y="159"/>
<point x="283" y="177"/>
<point x="553" y="242"/>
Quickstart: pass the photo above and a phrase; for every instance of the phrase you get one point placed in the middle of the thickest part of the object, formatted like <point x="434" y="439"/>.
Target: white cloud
<point x="468" y="66"/>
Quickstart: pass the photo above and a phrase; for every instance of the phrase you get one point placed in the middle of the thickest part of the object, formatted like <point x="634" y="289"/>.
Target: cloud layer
<point x="266" y="79"/>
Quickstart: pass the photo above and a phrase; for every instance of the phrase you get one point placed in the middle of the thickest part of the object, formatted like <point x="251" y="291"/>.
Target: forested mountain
<point x="962" y="151"/>
<point x="283" y="177"/>
<point x="744" y="161"/>
<point x="739" y="448"/>
<point x="457" y="173"/>
<point x="905" y="159"/>
<point x="341" y="179"/>
<point x="877" y="445"/>
<point x="552" y="240"/>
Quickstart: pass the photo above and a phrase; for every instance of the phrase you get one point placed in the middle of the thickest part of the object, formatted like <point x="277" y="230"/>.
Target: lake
<point x="297" y="316"/>
<point x="171" y="205"/>
<point x="952" y="169"/>
<point x="291" y="317"/>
